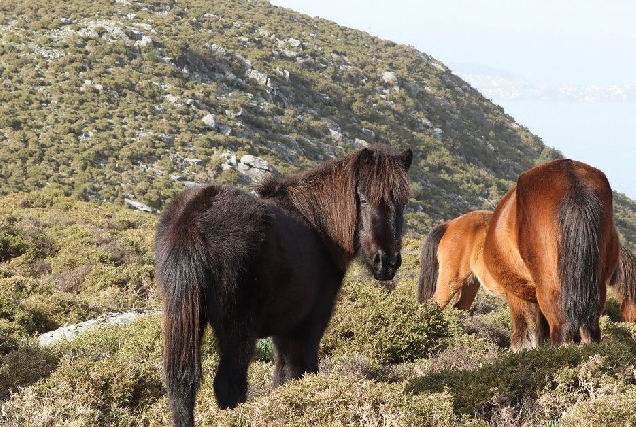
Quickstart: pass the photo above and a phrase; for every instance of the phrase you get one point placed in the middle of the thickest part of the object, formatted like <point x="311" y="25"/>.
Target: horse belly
<point x="502" y="268"/>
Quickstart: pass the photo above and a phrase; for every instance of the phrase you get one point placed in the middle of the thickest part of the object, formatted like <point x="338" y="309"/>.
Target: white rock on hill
<point x="69" y="332"/>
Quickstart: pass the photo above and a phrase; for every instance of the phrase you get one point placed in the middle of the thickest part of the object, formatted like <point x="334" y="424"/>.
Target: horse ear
<point x="406" y="158"/>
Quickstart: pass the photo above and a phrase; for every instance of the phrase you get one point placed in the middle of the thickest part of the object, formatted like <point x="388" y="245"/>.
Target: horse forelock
<point x="384" y="180"/>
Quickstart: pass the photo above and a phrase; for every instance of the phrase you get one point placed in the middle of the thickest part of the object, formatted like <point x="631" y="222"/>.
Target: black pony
<point x="271" y="265"/>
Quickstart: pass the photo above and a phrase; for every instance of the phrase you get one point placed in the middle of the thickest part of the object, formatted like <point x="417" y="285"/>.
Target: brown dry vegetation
<point x="385" y="359"/>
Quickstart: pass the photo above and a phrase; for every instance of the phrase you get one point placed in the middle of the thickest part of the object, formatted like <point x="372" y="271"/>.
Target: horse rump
<point x="205" y="239"/>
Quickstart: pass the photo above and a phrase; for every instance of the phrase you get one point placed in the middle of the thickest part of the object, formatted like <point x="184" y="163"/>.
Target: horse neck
<point x="326" y="200"/>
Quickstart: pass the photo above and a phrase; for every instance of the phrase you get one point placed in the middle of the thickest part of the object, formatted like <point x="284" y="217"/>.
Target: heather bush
<point x="612" y="405"/>
<point x="342" y="400"/>
<point x="542" y="384"/>
<point x="388" y="327"/>
<point x="25" y="365"/>
<point x="106" y="376"/>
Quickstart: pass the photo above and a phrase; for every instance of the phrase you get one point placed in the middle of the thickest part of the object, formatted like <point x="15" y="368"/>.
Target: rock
<point x="230" y="160"/>
<point x="225" y="130"/>
<point x="171" y="99"/>
<point x="254" y="168"/>
<point x="145" y="41"/>
<point x="69" y="332"/>
<point x="261" y="78"/>
<point x="359" y="143"/>
<point x="138" y="205"/>
<point x="282" y="73"/>
<point x="390" y="79"/>
<point x="210" y="121"/>
<point x="251" y="161"/>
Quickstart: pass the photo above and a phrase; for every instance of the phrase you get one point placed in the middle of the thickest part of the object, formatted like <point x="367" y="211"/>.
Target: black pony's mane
<point x="325" y="196"/>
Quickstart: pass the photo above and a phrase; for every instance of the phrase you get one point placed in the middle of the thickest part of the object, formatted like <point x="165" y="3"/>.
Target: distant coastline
<point x="591" y="123"/>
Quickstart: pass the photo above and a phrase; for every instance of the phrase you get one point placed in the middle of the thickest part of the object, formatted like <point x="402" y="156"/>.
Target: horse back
<point x="462" y="243"/>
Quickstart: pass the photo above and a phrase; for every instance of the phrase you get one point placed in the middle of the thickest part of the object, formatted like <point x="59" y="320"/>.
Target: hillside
<point x="132" y="100"/>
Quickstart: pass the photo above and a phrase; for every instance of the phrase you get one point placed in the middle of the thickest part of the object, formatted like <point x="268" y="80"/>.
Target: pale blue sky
<point x="572" y="42"/>
<point x="590" y="41"/>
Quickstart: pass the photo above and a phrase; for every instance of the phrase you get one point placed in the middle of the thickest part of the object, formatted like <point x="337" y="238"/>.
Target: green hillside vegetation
<point x="131" y="99"/>
<point x="111" y="102"/>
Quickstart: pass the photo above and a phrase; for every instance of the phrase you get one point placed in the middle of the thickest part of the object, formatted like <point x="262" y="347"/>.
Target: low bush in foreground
<point x="112" y="376"/>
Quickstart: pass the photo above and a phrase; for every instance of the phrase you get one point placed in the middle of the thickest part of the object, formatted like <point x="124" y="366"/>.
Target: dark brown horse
<point x="271" y="265"/>
<point x="549" y="248"/>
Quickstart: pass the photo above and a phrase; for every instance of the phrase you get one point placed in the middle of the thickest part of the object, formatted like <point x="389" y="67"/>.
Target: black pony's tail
<point x="580" y="214"/>
<point x="429" y="264"/>
<point x="181" y="268"/>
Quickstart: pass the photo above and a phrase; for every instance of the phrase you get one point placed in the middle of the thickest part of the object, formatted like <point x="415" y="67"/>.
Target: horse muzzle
<point x="384" y="265"/>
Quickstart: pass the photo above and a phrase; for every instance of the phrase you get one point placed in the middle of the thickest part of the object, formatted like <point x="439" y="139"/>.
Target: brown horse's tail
<point x="624" y="282"/>
<point x="429" y="264"/>
<point x="579" y="263"/>
<point x="181" y="267"/>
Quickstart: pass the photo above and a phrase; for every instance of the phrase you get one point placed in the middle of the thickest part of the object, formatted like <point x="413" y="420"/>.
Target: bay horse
<point x="450" y="255"/>
<point x="549" y="248"/>
<point x="624" y="283"/>
<point x="271" y="265"/>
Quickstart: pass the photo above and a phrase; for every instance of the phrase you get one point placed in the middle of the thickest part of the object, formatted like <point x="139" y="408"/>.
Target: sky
<point x="555" y="42"/>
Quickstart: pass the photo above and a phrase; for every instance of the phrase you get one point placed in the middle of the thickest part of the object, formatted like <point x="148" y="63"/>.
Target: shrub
<point x="24" y="366"/>
<point x="611" y="406"/>
<point x="389" y="327"/>
<point x="550" y="379"/>
<point x="105" y="377"/>
<point x="343" y="400"/>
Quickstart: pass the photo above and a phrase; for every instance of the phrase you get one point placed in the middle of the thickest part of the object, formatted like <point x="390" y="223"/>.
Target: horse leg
<point x="543" y="328"/>
<point x="528" y="328"/>
<point x="467" y="293"/>
<point x="236" y="345"/>
<point x="296" y="353"/>
<point x="628" y="310"/>
<point x="294" y="356"/>
<point x="447" y="286"/>
<point x="561" y="331"/>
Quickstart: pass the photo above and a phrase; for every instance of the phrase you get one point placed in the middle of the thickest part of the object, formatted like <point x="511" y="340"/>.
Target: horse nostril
<point x="398" y="260"/>
<point x="377" y="258"/>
